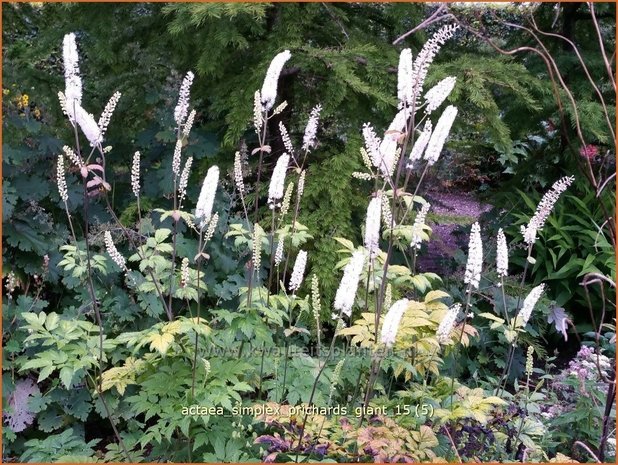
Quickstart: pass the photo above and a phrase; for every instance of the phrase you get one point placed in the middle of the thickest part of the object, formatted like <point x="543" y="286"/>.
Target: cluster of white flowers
<point x="269" y="88"/>
<point x="72" y="97"/>
<point x="316" y="306"/>
<point x="212" y="225"/>
<point x="417" y="227"/>
<point x="186" y="129"/>
<point x="106" y="116"/>
<point x="544" y="208"/>
<point x="391" y="322"/>
<point x="287" y="199"/>
<point x="346" y="293"/>
<point x="301" y="184"/>
<point x="184" y="179"/>
<point x="277" y="182"/>
<point x="279" y="251"/>
<point x="61" y="180"/>
<point x="113" y="252"/>
<point x="285" y="136"/>
<point x="258" y="110"/>
<point x="529" y="302"/>
<point x="388" y="147"/>
<point x="177" y="158"/>
<point x="298" y="271"/>
<point x="135" y="174"/>
<point x="312" y="128"/>
<point x="72" y="79"/>
<point x="372" y="226"/>
<point x="439" y="135"/>
<point x="240" y="184"/>
<point x="77" y="161"/>
<point x="206" y="200"/>
<point x="475" y="257"/>
<point x="184" y="272"/>
<point x="443" y="333"/>
<point x="182" y="107"/>
<point x="502" y="254"/>
<point x="372" y="144"/>
<point x="387" y="214"/>
<point x="529" y="361"/>
<point x="425" y="58"/>
<point x="257" y="247"/>
<point x="89" y="126"/>
<point x="404" y="78"/>
<point x="438" y="93"/>
<point x="335" y="379"/>
<point x="420" y="144"/>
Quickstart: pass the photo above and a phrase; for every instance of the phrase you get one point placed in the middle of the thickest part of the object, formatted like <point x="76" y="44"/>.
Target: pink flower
<point x="589" y="151"/>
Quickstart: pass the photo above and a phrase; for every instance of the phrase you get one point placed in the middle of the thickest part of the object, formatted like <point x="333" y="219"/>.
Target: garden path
<point x="449" y="211"/>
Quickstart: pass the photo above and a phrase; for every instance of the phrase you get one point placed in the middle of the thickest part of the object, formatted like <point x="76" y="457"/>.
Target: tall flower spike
<point x="387" y="214"/>
<point x="438" y="93"/>
<point x="184" y="179"/>
<point x="439" y="135"/>
<point x="113" y="252"/>
<point x="417" y="227"/>
<point x="404" y="78"/>
<point x="502" y="254"/>
<point x="443" y="333"/>
<point x="390" y="326"/>
<point x="61" y="180"/>
<point x="298" y="271"/>
<point x="372" y="144"/>
<point x="316" y="305"/>
<point x="425" y="58"/>
<point x="346" y="293"/>
<point x="269" y="88"/>
<point x="312" y="128"/>
<point x="106" y="116"/>
<point x="420" y="144"/>
<point x="135" y="174"/>
<point x="475" y="258"/>
<point x="258" y="109"/>
<point x="206" y="200"/>
<point x="257" y="246"/>
<point x="77" y="161"/>
<point x="186" y="130"/>
<point x="544" y="208"/>
<point x="240" y="184"/>
<point x="287" y="143"/>
<point x="372" y="226"/>
<point x="184" y="272"/>
<point x="182" y="107"/>
<point x="279" y="251"/>
<point x="529" y="302"/>
<point x="388" y="148"/>
<point x="88" y="125"/>
<point x="277" y="182"/>
<point x="212" y="226"/>
<point x="176" y="158"/>
<point x="301" y="185"/>
<point x="72" y="79"/>
<point x="287" y="199"/>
